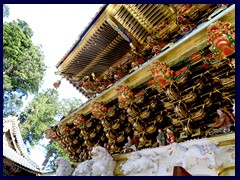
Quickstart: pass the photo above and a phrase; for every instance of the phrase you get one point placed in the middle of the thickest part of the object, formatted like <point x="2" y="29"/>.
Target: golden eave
<point x="195" y="41"/>
<point x="64" y="63"/>
<point x="103" y="45"/>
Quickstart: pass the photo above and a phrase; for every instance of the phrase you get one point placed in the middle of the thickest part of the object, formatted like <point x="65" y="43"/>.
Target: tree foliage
<point x="23" y="62"/>
<point x="5" y="11"/>
<point x="54" y="150"/>
<point x="39" y="115"/>
<point x="69" y="105"/>
<point x="12" y="103"/>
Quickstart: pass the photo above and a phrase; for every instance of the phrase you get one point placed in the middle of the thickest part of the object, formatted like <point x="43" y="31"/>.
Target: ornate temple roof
<point x="184" y="48"/>
<point x="118" y="30"/>
<point x="21" y="160"/>
<point x="14" y="150"/>
<point x="115" y="31"/>
<point x="168" y="74"/>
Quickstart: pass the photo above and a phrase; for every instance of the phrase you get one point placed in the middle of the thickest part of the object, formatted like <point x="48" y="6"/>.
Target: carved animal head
<point x="98" y="151"/>
<point x="83" y="169"/>
<point x="210" y="147"/>
<point x="135" y="156"/>
<point x="64" y="167"/>
<point x="60" y="160"/>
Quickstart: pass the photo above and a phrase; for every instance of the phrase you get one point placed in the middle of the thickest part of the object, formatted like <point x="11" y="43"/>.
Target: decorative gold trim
<point x="134" y="12"/>
<point x="223" y="140"/>
<point x="110" y="10"/>
<point x="118" y="157"/>
<point x="221" y="170"/>
<point x="185" y="47"/>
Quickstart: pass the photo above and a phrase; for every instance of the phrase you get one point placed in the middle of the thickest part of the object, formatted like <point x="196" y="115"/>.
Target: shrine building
<point x="151" y="67"/>
<point x="16" y="160"/>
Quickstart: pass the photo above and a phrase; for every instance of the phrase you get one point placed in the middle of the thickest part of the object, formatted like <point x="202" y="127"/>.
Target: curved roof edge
<point x="94" y="19"/>
<point x="22" y="158"/>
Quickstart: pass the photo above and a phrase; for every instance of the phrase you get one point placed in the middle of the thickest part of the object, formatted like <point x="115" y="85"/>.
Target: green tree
<point x="54" y="150"/>
<point x="43" y="111"/>
<point x="69" y="105"/>
<point x="23" y="62"/>
<point x="39" y="115"/>
<point x="5" y="11"/>
<point x="12" y="103"/>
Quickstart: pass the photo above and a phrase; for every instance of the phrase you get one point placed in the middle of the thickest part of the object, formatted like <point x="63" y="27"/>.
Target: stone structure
<point x="101" y="164"/>
<point x="198" y="157"/>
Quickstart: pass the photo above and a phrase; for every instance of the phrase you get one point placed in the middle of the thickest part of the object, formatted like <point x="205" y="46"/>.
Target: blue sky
<point x="56" y="27"/>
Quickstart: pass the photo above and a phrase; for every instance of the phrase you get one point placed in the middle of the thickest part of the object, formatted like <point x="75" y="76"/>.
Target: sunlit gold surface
<point x="227" y="171"/>
<point x="223" y="140"/>
<point x="184" y="48"/>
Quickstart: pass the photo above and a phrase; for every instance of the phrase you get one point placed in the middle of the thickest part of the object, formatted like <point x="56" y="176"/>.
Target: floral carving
<point x="62" y="129"/>
<point x="111" y="111"/>
<point x="135" y="58"/>
<point x="139" y="97"/>
<point x="162" y="75"/>
<point x="98" y="110"/>
<point x="156" y="43"/>
<point x="51" y="134"/>
<point x="221" y="38"/>
<point x="185" y="24"/>
<point x="79" y="119"/>
<point x="125" y="96"/>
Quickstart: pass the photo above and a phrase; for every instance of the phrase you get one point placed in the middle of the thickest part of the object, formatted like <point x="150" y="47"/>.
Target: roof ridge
<point x="20" y="144"/>
<point x="80" y="36"/>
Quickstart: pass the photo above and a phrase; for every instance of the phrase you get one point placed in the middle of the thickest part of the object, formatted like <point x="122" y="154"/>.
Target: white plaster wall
<point x="200" y="167"/>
